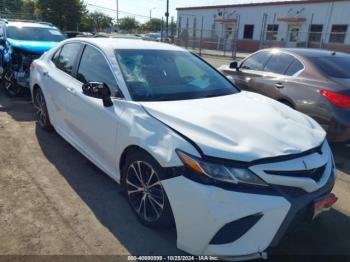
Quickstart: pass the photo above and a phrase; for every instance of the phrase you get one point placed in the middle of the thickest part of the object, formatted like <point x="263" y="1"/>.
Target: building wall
<point x="326" y="13"/>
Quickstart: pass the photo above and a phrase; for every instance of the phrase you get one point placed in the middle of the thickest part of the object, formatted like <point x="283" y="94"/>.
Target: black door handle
<point x="279" y="85"/>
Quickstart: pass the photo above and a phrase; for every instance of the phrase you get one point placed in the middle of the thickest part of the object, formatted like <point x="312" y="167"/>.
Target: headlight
<point x="220" y="172"/>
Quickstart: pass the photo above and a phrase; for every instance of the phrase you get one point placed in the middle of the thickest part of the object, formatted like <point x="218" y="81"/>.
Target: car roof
<point x="312" y="52"/>
<point x="30" y="24"/>
<point x="125" y="43"/>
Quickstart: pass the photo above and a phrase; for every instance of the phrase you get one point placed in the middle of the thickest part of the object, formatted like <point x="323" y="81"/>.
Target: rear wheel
<point x="41" y="110"/>
<point x="145" y="193"/>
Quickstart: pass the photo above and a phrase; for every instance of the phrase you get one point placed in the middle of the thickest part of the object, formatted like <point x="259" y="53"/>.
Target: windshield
<point x="34" y="34"/>
<point x="157" y="75"/>
<point x="337" y="67"/>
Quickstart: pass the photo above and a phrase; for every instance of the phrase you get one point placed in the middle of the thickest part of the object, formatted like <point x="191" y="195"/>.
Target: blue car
<point x="21" y="42"/>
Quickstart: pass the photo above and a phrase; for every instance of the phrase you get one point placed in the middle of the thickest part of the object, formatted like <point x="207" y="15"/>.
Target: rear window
<point x="336" y="67"/>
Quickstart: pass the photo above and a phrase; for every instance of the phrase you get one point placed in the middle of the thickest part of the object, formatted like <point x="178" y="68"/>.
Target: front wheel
<point x="145" y="193"/>
<point x="10" y="85"/>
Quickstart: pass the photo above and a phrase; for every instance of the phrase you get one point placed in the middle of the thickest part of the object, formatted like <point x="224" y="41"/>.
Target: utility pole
<point x="150" y="13"/>
<point x="167" y="18"/>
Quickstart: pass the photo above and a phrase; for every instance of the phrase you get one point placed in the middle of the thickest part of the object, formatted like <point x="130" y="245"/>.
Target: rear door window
<point x="256" y="61"/>
<point x="56" y="56"/>
<point x="67" y="57"/>
<point x="294" y="68"/>
<point x="95" y="68"/>
<point x="279" y="63"/>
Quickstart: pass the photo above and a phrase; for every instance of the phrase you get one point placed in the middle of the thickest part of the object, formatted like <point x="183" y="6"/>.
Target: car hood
<point x="241" y="127"/>
<point x="35" y="47"/>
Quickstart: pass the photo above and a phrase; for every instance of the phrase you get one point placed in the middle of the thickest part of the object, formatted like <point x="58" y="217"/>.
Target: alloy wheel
<point x="40" y="107"/>
<point x="145" y="191"/>
<point x="10" y="84"/>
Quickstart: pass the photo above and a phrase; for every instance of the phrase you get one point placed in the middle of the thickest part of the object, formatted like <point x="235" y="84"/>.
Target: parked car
<point x="187" y="146"/>
<point x="315" y="82"/>
<point x="22" y="42"/>
<point x="156" y="37"/>
<point x="117" y="35"/>
<point x="72" y="34"/>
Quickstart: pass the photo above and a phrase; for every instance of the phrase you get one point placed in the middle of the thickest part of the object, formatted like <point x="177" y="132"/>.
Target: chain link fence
<point x="207" y="41"/>
<point x="297" y="39"/>
<point x="222" y="39"/>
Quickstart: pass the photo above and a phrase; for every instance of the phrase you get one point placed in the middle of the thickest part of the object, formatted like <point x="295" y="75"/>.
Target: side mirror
<point x="98" y="90"/>
<point x="234" y="65"/>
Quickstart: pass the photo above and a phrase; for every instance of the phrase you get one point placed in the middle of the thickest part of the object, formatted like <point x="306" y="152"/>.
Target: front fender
<point x="138" y="128"/>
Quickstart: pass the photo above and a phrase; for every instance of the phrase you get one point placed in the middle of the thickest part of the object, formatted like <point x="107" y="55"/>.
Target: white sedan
<point x="230" y="169"/>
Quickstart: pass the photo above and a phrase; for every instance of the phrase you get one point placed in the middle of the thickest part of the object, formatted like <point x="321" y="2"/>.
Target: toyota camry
<point x="230" y="169"/>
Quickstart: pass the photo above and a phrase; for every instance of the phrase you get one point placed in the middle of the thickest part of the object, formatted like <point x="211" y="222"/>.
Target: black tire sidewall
<point x="166" y="220"/>
<point x="47" y="125"/>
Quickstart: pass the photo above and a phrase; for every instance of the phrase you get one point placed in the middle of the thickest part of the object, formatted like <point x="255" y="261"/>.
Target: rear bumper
<point x="201" y="212"/>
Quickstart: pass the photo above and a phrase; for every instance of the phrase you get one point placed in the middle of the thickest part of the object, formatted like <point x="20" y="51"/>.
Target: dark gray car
<point x="315" y="82"/>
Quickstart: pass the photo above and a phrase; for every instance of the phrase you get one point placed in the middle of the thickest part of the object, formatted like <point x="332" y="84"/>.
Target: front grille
<point x="315" y="174"/>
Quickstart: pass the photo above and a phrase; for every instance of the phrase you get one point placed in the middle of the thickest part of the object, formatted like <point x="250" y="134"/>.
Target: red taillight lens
<point x="339" y="100"/>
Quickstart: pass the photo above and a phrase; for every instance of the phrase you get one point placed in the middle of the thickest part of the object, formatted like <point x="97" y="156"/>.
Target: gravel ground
<point x="53" y="201"/>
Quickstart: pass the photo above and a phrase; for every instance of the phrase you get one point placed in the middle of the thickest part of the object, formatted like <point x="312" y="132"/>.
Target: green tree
<point x="153" y="25"/>
<point x="66" y="14"/>
<point x="10" y="8"/>
<point x="128" y="24"/>
<point x="99" y="20"/>
<point x="28" y="9"/>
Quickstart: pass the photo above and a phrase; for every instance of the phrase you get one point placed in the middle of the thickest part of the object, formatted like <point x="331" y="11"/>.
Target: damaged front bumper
<point x="18" y="66"/>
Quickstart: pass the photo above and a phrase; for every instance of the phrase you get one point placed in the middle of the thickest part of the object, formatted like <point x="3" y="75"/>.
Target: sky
<point x="141" y="8"/>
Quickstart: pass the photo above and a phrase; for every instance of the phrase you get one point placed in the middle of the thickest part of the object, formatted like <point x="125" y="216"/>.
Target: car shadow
<point x="325" y="237"/>
<point x="104" y="198"/>
<point x="341" y="153"/>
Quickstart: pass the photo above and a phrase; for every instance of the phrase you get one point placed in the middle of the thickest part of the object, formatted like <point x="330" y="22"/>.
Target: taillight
<point x="339" y="100"/>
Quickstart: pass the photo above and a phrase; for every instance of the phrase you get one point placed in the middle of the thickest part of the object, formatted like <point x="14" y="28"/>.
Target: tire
<point x="146" y="196"/>
<point x="41" y="110"/>
<point x="10" y="85"/>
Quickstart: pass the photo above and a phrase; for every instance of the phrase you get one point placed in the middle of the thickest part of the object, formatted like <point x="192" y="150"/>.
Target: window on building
<point x="338" y="34"/>
<point x="315" y="33"/>
<point x="272" y="31"/>
<point x="248" y="32"/>
<point x="213" y="30"/>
